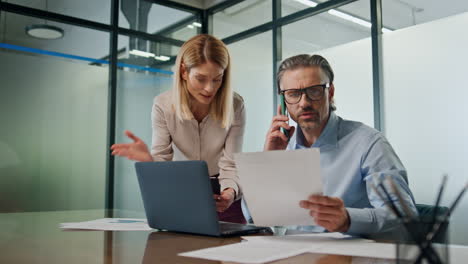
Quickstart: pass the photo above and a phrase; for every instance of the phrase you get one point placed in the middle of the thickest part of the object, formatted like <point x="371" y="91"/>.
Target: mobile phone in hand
<point x="284" y="112"/>
<point x="215" y="186"/>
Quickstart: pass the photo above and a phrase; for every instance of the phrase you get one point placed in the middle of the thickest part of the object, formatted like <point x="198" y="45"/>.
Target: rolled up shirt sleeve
<point x="381" y="162"/>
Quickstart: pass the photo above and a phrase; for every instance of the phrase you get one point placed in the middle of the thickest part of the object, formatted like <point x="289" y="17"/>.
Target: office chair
<point x="426" y="214"/>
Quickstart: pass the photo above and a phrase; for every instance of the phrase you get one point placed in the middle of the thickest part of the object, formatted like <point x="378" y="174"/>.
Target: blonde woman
<point x="201" y="118"/>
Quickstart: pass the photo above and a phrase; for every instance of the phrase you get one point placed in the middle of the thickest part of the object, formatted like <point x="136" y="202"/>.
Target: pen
<point x="437" y="226"/>
<point x="372" y="185"/>
<point x="410" y="214"/>
<point x="425" y="251"/>
<point x="390" y="200"/>
<point x="439" y="196"/>
<point x="435" y="230"/>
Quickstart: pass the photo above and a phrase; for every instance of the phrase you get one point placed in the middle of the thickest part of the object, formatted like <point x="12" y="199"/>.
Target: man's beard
<point x="312" y="123"/>
<point x="309" y="124"/>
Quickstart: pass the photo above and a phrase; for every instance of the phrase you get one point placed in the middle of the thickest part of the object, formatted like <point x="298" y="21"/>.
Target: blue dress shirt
<point x="352" y="155"/>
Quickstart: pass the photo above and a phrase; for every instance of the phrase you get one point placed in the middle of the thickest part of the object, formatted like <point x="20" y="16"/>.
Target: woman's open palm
<point x="137" y="150"/>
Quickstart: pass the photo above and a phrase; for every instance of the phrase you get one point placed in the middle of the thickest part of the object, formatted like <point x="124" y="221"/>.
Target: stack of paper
<point x="110" y="224"/>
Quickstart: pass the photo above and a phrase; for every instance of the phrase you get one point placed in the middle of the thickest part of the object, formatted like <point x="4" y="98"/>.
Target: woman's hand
<point x="137" y="150"/>
<point x="224" y="200"/>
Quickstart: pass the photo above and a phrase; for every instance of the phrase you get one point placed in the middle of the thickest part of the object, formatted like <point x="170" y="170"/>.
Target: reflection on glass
<point x="346" y="45"/>
<point x="327" y="29"/>
<point x="77" y="41"/>
<point x="183" y="31"/>
<point x="292" y="6"/>
<point x="98" y="11"/>
<point x="240" y="17"/>
<point x="149" y="17"/>
<point x="142" y="75"/>
<point x="55" y="142"/>
<point x="251" y="78"/>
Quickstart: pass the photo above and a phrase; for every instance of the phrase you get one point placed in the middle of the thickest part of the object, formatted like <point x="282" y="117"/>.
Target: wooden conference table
<point x="35" y="237"/>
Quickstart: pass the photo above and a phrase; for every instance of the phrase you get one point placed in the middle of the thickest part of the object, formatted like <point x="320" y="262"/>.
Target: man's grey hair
<point x="306" y="60"/>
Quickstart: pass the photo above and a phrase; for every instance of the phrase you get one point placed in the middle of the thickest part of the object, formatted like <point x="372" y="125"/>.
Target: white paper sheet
<point x="248" y="252"/>
<point x="308" y="239"/>
<point x="261" y="249"/>
<point x="274" y="182"/>
<point x="110" y="224"/>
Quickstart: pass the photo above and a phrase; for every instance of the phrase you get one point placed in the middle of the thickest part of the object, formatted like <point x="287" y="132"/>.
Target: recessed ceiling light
<point x="307" y="3"/>
<point x="162" y="58"/>
<point x="141" y="53"/>
<point x="43" y="31"/>
<point x="196" y="24"/>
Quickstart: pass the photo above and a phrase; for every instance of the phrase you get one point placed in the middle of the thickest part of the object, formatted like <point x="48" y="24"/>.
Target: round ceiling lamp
<point x="43" y="31"/>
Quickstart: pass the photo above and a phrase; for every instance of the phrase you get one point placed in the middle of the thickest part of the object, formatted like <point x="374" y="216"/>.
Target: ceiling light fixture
<point x="162" y="58"/>
<point x="196" y="24"/>
<point x="353" y="19"/>
<point x="307" y="3"/>
<point x="141" y="53"/>
<point x="345" y="16"/>
<point x="43" y="31"/>
<point x="190" y="26"/>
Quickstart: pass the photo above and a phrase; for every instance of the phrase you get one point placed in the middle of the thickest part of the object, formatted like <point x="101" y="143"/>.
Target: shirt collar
<point x="329" y="135"/>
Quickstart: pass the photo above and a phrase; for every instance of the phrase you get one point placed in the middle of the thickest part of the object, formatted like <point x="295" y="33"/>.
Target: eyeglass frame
<point x="303" y="91"/>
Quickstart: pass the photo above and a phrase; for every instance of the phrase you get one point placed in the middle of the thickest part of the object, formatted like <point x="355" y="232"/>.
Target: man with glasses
<point x="351" y="153"/>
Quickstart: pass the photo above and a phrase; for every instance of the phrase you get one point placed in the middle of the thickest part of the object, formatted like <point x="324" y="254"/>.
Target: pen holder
<point x="414" y="246"/>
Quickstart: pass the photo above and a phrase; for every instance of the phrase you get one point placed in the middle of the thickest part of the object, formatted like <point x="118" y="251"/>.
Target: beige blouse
<point x="189" y="140"/>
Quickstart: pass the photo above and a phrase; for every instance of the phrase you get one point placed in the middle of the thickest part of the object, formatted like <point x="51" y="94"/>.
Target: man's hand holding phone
<point x="275" y="139"/>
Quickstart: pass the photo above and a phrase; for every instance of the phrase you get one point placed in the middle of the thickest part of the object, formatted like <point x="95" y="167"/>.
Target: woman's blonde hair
<point x="197" y="51"/>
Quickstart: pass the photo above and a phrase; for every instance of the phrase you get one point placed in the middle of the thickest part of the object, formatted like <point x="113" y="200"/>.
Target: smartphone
<point x="284" y="112"/>
<point x="215" y="186"/>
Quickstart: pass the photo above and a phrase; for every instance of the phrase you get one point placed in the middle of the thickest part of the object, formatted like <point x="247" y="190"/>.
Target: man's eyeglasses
<point x="314" y="93"/>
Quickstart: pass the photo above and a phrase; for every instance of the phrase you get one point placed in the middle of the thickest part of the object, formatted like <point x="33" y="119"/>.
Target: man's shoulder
<point x="358" y="130"/>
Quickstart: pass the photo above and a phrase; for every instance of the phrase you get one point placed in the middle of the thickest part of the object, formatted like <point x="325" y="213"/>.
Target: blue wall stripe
<point x="69" y="56"/>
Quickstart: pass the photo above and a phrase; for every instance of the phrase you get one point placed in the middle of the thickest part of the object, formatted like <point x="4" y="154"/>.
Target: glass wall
<point x="139" y="80"/>
<point x="252" y="79"/>
<point x="53" y="107"/>
<point x="342" y="36"/>
<point x="98" y="11"/>
<point x="424" y="92"/>
<point x="147" y="16"/>
<point x="240" y="17"/>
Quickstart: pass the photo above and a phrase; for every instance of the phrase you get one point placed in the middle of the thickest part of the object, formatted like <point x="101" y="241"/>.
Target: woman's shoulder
<point x="238" y="102"/>
<point x="163" y="100"/>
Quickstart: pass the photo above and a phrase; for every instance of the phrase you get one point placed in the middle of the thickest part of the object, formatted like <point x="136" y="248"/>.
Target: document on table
<point x="274" y="182"/>
<point x="110" y="224"/>
<point x="248" y="252"/>
<point x="261" y="249"/>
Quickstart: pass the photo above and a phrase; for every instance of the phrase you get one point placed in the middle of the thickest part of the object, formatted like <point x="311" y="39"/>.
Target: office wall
<point x="425" y="82"/>
<point x="53" y="116"/>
